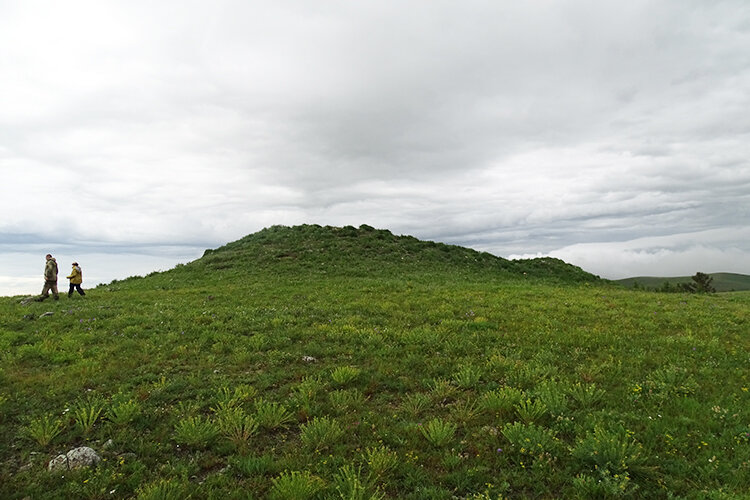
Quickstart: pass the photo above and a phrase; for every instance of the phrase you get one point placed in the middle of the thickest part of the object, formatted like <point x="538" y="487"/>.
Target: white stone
<point x="82" y="457"/>
<point x="75" y="459"/>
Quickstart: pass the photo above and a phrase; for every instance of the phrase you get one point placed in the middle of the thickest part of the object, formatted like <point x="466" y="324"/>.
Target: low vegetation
<point x="321" y="363"/>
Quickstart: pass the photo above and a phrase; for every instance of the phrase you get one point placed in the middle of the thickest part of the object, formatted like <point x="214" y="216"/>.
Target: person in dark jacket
<point x="76" y="278"/>
<point x="50" y="278"/>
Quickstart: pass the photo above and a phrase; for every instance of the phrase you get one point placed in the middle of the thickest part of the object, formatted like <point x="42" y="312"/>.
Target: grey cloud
<point x="512" y="127"/>
<point x="717" y="250"/>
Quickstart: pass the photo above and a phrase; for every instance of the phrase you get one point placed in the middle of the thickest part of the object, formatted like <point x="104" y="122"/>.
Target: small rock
<point x="48" y="313"/>
<point x="82" y="457"/>
<point x="108" y="444"/>
<point x="75" y="459"/>
<point x="309" y="359"/>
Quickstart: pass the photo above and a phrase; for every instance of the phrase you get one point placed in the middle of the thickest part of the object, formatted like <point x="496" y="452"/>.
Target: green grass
<point x="438" y="372"/>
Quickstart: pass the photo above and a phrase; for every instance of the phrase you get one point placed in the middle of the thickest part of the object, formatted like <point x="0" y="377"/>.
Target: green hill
<point x="319" y="363"/>
<point x="722" y="282"/>
<point x="365" y="250"/>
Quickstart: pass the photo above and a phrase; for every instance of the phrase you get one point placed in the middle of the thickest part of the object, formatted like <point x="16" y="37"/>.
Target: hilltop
<point x="366" y="250"/>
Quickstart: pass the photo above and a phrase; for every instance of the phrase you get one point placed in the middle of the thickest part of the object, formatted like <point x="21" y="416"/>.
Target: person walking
<point x="50" y="278"/>
<point x="76" y="278"/>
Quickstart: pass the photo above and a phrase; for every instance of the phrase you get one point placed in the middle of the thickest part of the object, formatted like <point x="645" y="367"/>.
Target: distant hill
<point x="365" y="250"/>
<point x="723" y="282"/>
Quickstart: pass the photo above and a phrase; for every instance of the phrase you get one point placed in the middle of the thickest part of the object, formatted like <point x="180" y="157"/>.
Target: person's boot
<point x="70" y="294"/>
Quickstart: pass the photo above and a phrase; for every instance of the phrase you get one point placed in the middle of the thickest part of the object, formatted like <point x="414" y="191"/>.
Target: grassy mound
<point x="365" y="251"/>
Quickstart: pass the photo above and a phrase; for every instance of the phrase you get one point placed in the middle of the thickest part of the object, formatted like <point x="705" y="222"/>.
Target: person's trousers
<point x="75" y="286"/>
<point x="50" y="285"/>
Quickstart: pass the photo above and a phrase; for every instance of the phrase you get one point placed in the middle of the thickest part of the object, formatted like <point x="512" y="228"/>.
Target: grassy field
<point x="350" y="363"/>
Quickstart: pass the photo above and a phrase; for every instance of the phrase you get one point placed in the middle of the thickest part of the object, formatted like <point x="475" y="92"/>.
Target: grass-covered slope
<point x="354" y="251"/>
<point x="722" y="282"/>
<point x="271" y="370"/>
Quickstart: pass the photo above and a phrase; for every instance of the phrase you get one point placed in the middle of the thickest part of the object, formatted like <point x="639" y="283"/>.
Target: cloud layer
<point x="612" y="134"/>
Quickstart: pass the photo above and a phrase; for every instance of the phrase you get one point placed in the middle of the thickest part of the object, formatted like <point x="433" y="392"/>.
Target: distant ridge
<point x="722" y="282"/>
<point x="365" y="250"/>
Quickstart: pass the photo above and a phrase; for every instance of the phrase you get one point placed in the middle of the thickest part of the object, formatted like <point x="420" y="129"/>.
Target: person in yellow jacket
<point x="76" y="278"/>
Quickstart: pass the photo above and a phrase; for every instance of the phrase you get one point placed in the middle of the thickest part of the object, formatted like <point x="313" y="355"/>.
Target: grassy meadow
<point x="343" y="363"/>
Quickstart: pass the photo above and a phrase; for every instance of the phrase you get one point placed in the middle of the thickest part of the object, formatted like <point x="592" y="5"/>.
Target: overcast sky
<point x="614" y="135"/>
